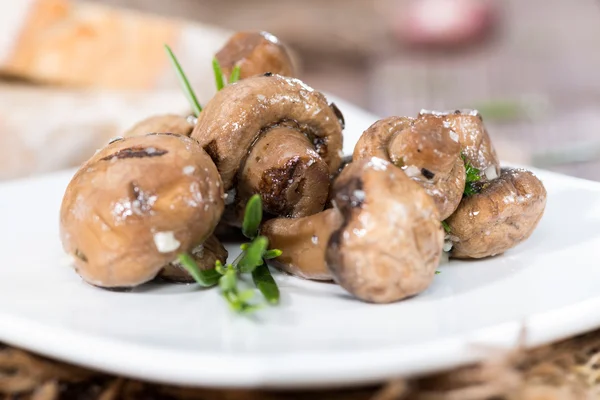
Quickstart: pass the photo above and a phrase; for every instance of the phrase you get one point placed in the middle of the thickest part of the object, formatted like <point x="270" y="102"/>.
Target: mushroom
<point x="474" y="140"/>
<point x="303" y="242"/>
<point x="425" y="149"/>
<point x="390" y="240"/>
<point x="274" y="136"/>
<point x="205" y="256"/>
<point x="256" y="53"/>
<point x="135" y="205"/>
<point x="502" y="215"/>
<point x="167" y="123"/>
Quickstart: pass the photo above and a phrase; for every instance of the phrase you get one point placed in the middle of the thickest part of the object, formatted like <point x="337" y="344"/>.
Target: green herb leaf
<point x="273" y="253"/>
<point x="266" y="284"/>
<point x="446" y="226"/>
<point x="252" y="217"/>
<point x="246" y="295"/>
<point x="235" y="74"/>
<point x="218" y="74"/>
<point x="438" y="272"/>
<point x="228" y="282"/>
<point x="204" y="278"/>
<point x="185" y="83"/>
<point x="473" y="175"/>
<point x="254" y="254"/>
<point x="244" y="246"/>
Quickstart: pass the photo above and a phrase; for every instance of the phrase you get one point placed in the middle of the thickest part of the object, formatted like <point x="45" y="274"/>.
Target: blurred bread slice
<point x="90" y="45"/>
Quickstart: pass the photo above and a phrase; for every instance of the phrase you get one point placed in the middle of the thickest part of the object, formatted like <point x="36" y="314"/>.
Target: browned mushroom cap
<point x="425" y="150"/>
<point x="205" y="256"/>
<point x="502" y="215"/>
<point x="391" y="239"/>
<point x="256" y="53"/>
<point x="168" y="123"/>
<point x="245" y="115"/>
<point x="136" y="204"/>
<point x="303" y="242"/>
<point x="476" y="144"/>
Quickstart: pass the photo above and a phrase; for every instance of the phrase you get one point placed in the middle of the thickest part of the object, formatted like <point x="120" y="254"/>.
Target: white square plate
<point x="318" y="336"/>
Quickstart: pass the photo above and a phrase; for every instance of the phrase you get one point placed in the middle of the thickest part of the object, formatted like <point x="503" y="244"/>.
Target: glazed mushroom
<point x="476" y="145"/>
<point x="390" y="240"/>
<point x="502" y="215"/>
<point x="425" y="149"/>
<point x="135" y="205"/>
<point x="205" y="256"/>
<point x="274" y="136"/>
<point x="256" y="53"/>
<point x="303" y="242"/>
<point x="167" y="123"/>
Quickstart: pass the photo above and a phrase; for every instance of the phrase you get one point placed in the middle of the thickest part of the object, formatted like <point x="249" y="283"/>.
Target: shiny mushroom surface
<point x="425" y="149"/>
<point x="390" y="240"/>
<point x="135" y="205"/>
<point x="167" y="123"/>
<point x="256" y="53"/>
<point x="476" y="144"/>
<point x="205" y="256"/>
<point x="274" y="136"/>
<point x="303" y="242"/>
<point x="502" y="215"/>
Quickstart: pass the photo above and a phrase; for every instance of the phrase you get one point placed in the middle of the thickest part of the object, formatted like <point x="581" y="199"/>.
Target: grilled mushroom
<point x="502" y="215"/>
<point x="205" y="256"/>
<point x="474" y="140"/>
<point x="274" y="136"/>
<point x="168" y="123"/>
<point x="390" y="240"/>
<point x="135" y="205"/>
<point x="256" y="53"/>
<point x="303" y="242"/>
<point x="427" y="151"/>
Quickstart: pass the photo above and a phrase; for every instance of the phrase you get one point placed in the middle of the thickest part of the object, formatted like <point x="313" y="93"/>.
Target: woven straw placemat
<point x="563" y="371"/>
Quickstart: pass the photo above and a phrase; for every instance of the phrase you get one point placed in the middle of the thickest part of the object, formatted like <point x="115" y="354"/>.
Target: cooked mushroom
<point x="168" y="123"/>
<point x="274" y="136"/>
<point x="425" y="149"/>
<point x="303" y="242"/>
<point x="205" y="256"/>
<point x="474" y="140"/>
<point x="502" y="215"/>
<point x="136" y="204"/>
<point x="390" y="241"/>
<point x="256" y="53"/>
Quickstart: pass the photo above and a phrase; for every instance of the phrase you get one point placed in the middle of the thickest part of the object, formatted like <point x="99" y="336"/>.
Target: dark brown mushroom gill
<point x="136" y="204"/>
<point x="256" y="53"/>
<point x="390" y="240"/>
<point x="425" y="149"/>
<point x="244" y="123"/>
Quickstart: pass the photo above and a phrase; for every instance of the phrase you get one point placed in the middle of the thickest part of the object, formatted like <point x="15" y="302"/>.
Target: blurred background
<point x="75" y="73"/>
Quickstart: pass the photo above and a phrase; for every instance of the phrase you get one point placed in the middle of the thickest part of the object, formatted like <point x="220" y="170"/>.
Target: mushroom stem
<point x="283" y="167"/>
<point x="303" y="242"/>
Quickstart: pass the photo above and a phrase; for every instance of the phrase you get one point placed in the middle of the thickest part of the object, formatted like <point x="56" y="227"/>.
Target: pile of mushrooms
<point x="377" y="223"/>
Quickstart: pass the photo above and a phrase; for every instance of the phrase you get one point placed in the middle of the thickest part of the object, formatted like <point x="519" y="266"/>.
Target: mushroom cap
<point x="427" y="152"/>
<point x="238" y="114"/>
<point x="390" y="241"/>
<point x="167" y="123"/>
<point x="256" y="53"/>
<point x="303" y="242"/>
<point x="503" y="214"/>
<point x="136" y="204"/>
<point x="474" y="139"/>
<point x="205" y="256"/>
